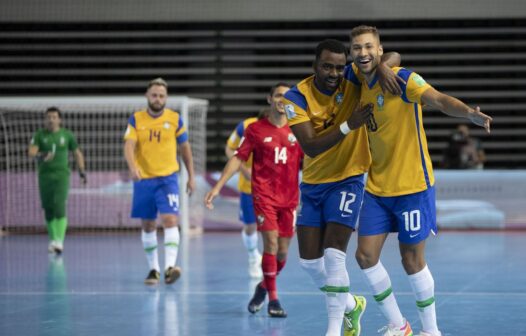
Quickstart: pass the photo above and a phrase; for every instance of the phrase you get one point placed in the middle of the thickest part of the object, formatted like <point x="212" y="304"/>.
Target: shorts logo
<point x="380" y="102"/>
<point x="289" y="110"/>
<point x="260" y="219"/>
<point x="413" y="235"/>
<point x="339" y="98"/>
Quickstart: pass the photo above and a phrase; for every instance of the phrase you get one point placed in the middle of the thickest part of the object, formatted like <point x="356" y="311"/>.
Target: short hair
<point x="52" y="109"/>
<point x="331" y="45"/>
<point x="277" y="85"/>
<point x="157" y="81"/>
<point x="363" y="29"/>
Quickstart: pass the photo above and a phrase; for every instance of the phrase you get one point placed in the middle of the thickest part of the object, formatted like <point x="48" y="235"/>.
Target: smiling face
<point x="276" y="100"/>
<point x="366" y="52"/>
<point x="329" y="70"/>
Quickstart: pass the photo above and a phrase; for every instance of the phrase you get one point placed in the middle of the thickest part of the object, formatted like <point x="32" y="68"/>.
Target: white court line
<point x="244" y="293"/>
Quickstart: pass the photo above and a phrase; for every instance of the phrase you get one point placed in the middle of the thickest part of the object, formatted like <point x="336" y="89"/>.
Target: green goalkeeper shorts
<point x="54" y="194"/>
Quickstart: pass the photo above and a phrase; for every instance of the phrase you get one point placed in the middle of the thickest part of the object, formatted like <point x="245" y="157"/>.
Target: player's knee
<point x="413" y="263"/>
<point x="250" y="229"/>
<point x="366" y="259"/>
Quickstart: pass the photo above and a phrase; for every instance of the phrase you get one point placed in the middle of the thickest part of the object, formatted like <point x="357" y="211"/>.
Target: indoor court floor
<point x="96" y="288"/>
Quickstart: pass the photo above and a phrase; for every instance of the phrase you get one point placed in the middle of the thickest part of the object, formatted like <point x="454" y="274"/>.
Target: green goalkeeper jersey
<point x="59" y="143"/>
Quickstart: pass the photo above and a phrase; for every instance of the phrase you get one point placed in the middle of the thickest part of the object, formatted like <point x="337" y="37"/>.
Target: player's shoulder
<point x="297" y="94"/>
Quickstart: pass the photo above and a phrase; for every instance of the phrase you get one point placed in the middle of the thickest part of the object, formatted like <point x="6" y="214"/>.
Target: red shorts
<point x="271" y="218"/>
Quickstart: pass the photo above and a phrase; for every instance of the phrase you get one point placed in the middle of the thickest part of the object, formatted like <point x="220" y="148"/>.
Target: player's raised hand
<point x="209" y="198"/>
<point x="481" y="119"/>
<point x="190" y="187"/>
<point x="388" y="80"/>
<point x="360" y="115"/>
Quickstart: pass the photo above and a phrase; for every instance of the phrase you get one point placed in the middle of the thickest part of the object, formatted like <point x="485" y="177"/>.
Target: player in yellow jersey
<point x="323" y="115"/>
<point x="249" y="233"/>
<point x="152" y="139"/>
<point x="400" y="193"/>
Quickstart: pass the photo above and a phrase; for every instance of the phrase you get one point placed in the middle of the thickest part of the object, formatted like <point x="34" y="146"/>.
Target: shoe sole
<point x="151" y="282"/>
<point x="255" y="309"/>
<point x="173" y="276"/>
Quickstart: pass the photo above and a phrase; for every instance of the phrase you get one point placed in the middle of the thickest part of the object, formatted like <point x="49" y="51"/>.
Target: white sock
<point x="316" y="269"/>
<point x="424" y="289"/>
<point x="149" y="243"/>
<point x="171" y="246"/>
<point x="251" y="243"/>
<point x="336" y="289"/>
<point x="380" y="284"/>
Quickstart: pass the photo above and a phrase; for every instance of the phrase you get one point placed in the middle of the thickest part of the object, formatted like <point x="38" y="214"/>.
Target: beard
<point x="156" y="108"/>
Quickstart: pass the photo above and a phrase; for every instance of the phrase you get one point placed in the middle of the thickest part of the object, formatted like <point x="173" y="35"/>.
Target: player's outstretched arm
<point x="188" y="159"/>
<point x="313" y="144"/>
<point x="388" y="80"/>
<point x="231" y="167"/>
<point x="79" y="158"/>
<point x="129" y="155"/>
<point x="456" y="108"/>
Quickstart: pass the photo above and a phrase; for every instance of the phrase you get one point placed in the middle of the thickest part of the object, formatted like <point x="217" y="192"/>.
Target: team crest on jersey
<point x="339" y="98"/>
<point x="261" y="219"/>
<point x="380" y="102"/>
<point x="292" y="138"/>
<point x="419" y="80"/>
<point x="166" y="125"/>
<point x="62" y="141"/>
<point x="289" y="110"/>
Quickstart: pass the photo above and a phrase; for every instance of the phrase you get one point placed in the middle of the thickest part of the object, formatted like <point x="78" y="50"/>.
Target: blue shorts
<point x="413" y="216"/>
<point x="246" y="209"/>
<point x="335" y="202"/>
<point x="158" y="194"/>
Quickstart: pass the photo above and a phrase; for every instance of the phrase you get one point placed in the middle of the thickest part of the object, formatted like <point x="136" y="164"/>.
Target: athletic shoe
<point x="152" y="278"/>
<point x="172" y="274"/>
<point x="274" y="309"/>
<point x="59" y="247"/>
<point x="423" y="333"/>
<point x="254" y="267"/>
<point x="55" y="247"/>
<point x="51" y="247"/>
<point x="351" y="320"/>
<point x="391" y="330"/>
<point x="258" y="299"/>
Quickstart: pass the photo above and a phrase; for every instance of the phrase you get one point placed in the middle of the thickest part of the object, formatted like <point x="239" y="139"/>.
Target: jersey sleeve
<point x="181" y="134"/>
<point x="246" y="145"/>
<point x="295" y="107"/>
<point x="353" y="74"/>
<point x="235" y="138"/>
<point x="414" y="88"/>
<point x="72" y="142"/>
<point x="131" y="132"/>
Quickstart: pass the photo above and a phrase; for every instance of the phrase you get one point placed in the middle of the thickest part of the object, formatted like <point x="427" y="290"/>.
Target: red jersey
<point x="276" y="163"/>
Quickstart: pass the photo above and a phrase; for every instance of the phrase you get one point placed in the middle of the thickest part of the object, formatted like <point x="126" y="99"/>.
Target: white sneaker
<point x="55" y="247"/>
<point x="254" y="266"/>
<point x="391" y="330"/>
<point x="51" y="247"/>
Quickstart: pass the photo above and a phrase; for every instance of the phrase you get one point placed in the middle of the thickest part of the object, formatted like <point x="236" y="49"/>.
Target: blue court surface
<point x="97" y="288"/>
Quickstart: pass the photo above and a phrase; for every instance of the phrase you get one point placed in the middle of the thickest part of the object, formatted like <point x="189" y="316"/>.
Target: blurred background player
<point x="152" y="138"/>
<point x="323" y="114"/>
<point x="246" y="205"/>
<point x="276" y="163"/>
<point x="400" y="194"/>
<point x="463" y="151"/>
<point x="51" y="146"/>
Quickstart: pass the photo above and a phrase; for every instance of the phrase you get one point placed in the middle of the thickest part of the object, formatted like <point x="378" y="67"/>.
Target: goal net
<point x="98" y="124"/>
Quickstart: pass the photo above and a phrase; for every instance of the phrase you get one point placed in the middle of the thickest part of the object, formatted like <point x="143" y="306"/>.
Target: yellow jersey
<point x="401" y="163"/>
<point x="326" y="111"/>
<point x="244" y="185"/>
<point x="156" y="141"/>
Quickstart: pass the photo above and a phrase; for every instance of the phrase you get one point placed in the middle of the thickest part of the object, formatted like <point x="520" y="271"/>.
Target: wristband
<point x="344" y="128"/>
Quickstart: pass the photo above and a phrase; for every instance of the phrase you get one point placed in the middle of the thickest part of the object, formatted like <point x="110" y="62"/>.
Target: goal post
<point x="98" y="123"/>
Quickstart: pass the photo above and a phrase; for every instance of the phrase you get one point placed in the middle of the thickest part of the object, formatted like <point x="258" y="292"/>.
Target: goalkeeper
<point x="50" y="146"/>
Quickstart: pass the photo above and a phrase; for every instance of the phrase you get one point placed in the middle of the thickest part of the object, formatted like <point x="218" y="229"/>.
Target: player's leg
<point x="341" y="209"/>
<point x="416" y="216"/>
<point x="167" y="201"/>
<point x="45" y="187"/>
<point x="143" y="207"/>
<point x="249" y="234"/>
<point x="60" y="199"/>
<point x="376" y="221"/>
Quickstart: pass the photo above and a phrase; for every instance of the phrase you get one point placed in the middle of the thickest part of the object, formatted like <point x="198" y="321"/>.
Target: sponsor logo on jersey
<point x="339" y="98"/>
<point x="419" y="80"/>
<point x="267" y="139"/>
<point x="289" y="110"/>
<point x="380" y="102"/>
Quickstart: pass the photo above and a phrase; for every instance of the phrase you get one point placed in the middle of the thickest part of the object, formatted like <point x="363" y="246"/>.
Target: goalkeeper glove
<point x="83" y="177"/>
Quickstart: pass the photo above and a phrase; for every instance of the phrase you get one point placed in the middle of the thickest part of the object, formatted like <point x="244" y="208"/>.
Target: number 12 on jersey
<point x="280" y="155"/>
